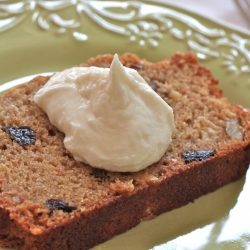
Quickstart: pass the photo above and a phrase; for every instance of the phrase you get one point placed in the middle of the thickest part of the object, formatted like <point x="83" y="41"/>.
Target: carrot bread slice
<point x="50" y="201"/>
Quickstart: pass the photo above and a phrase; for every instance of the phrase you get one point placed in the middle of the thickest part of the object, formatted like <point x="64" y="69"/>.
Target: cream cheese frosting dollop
<point x="111" y="117"/>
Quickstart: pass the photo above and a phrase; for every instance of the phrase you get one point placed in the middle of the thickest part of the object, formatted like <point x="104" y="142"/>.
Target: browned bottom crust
<point x="10" y="242"/>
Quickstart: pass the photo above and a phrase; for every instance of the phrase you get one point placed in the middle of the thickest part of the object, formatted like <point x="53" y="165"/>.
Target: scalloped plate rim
<point x="191" y="13"/>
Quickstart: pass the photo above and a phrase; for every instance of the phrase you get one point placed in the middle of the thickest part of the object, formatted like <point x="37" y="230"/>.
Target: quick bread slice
<point x="50" y="201"/>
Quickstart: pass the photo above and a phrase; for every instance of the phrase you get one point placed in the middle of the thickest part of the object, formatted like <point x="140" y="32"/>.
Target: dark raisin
<point x="153" y="85"/>
<point x="23" y="135"/>
<point x="200" y="155"/>
<point x="51" y="132"/>
<point x="137" y="66"/>
<point x="100" y="174"/>
<point x="3" y="147"/>
<point x="55" y="204"/>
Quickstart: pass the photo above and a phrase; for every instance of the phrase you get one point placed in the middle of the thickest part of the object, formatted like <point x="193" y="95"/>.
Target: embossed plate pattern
<point x="38" y="36"/>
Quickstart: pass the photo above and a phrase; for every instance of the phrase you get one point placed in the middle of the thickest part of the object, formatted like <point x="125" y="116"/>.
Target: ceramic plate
<point x="46" y="36"/>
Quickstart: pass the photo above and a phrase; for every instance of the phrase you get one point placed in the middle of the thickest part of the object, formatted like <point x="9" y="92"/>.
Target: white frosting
<point x="111" y="118"/>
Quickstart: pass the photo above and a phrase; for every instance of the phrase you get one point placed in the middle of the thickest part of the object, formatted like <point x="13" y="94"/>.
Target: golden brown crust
<point x="32" y="174"/>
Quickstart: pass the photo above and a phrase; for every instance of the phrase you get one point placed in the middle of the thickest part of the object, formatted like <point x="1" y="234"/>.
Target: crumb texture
<point x="42" y="187"/>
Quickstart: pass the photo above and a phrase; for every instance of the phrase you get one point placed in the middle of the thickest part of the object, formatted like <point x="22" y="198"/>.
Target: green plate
<point x="49" y="35"/>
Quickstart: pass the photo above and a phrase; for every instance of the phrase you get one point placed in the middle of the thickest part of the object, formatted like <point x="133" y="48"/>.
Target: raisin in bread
<point x="50" y="201"/>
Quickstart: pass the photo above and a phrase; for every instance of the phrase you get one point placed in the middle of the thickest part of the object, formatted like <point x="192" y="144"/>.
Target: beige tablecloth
<point x="224" y="11"/>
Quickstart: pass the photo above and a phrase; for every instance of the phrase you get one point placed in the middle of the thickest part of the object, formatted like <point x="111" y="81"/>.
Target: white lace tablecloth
<point x="226" y="12"/>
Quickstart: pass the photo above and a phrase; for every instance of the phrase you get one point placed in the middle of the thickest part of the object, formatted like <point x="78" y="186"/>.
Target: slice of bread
<point x="50" y="201"/>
